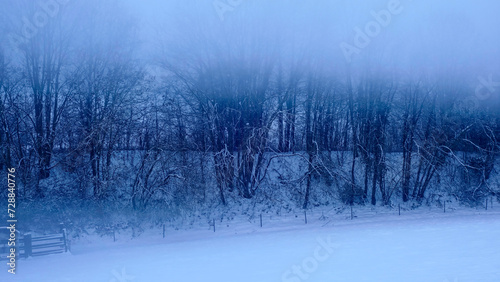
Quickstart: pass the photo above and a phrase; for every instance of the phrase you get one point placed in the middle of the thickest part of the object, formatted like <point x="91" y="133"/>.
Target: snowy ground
<point x="416" y="246"/>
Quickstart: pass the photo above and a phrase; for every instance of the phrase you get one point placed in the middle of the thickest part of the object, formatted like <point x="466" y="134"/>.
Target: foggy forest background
<point x="252" y="106"/>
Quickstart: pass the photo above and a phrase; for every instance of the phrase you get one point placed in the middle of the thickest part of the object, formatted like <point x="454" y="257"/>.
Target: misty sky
<point x="428" y="34"/>
<point x="424" y="36"/>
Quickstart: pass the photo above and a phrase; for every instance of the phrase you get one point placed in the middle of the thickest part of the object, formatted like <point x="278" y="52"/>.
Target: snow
<point x="460" y="245"/>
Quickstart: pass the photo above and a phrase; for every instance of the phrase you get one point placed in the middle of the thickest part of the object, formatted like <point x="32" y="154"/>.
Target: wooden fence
<point x="28" y="246"/>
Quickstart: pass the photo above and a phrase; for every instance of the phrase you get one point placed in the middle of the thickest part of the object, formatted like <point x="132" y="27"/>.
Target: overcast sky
<point x="425" y="35"/>
<point x="422" y="34"/>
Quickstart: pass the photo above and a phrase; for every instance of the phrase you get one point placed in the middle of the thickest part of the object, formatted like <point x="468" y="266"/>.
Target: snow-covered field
<point x="416" y="246"/>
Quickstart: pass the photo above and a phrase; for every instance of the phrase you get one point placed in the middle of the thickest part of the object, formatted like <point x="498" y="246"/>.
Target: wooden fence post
<point x="65" y="240"/>
<point x="305" y="216"/>
<point x="163" y="231"/>
<point x="214" y="224"/>
<point x="399" y="207"/>
<point x="260" y="220"/>
<point x="28" y="247"/>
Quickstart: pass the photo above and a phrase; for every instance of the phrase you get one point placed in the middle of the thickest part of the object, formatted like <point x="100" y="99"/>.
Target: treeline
<point x="78" y="96"/>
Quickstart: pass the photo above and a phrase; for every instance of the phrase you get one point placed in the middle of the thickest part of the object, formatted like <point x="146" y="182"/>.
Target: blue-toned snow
<point x="427" y="246"/>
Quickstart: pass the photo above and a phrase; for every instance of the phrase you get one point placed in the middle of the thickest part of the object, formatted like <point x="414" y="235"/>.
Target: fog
<point x="417" y="36"/>
<point x="127" y="117"/>
<point x="430" y="36"/>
